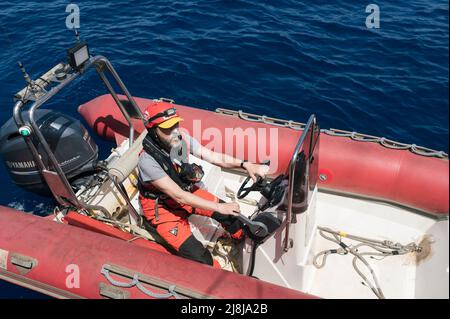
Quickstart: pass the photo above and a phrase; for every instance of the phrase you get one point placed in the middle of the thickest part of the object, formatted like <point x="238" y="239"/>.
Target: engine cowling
<point x="74" y="149"/>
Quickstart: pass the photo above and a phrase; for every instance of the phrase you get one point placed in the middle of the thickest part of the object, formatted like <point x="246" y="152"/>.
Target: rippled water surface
<point x="281" y="58"/>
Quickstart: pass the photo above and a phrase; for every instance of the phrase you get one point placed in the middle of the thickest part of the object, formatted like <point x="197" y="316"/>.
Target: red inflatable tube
<point x="76" y="219"/>
<point x="59" y="251"/>
<point x="346" y="166"/>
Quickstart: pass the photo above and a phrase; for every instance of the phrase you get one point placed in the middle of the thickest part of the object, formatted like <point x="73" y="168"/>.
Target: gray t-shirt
<point x="149" y="168"/>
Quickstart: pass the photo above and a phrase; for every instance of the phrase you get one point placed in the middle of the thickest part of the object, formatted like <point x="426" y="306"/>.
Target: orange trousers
<point x="171" y="223"/>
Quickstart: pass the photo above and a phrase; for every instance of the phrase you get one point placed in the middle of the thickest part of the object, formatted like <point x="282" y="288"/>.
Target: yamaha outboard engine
<point x="68" y="139"/>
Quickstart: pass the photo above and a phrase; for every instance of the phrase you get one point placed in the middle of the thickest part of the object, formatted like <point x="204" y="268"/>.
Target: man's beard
<point x="173" y="142"/>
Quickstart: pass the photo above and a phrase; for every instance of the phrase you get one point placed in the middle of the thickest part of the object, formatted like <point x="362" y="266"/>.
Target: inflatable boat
<point x="340" y="214"/>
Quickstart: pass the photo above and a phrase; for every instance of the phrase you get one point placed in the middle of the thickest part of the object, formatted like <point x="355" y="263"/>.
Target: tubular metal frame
<point x="100" y="63"/>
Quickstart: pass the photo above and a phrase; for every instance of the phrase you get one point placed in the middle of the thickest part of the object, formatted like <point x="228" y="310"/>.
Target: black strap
<point x="156" y="209"/>
<point x="162" y="114"/>
<point x="163" y="158"/>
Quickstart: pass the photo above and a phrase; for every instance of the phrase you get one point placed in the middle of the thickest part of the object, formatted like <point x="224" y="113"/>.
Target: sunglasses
<point x="167" y="113"/>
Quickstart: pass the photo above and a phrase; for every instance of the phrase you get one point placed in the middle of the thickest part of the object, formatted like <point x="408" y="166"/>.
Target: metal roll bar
<point x="57" y="180"/>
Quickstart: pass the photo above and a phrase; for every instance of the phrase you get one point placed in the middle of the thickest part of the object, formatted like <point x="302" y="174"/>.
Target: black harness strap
<point x="153" y="147"/>
<point x="163" y="158"/>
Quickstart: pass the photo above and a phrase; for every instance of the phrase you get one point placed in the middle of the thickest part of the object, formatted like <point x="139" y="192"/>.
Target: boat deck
<point x="399" y="276"/>
<point x="403" y="276"/>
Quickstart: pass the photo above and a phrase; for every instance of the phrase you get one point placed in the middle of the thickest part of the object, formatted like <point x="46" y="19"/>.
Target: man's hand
<point x="256" y="169"/>
<point x="229" y="208"/>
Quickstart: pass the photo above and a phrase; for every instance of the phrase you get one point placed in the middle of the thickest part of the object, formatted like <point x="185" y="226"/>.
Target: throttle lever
<point x="256" y="228"/>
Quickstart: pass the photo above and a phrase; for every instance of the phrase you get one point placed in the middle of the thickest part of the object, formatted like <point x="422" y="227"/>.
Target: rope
<point x="383" y="248"/>
<point x="135" y="282"/>
<point x="418" y="150"/>
<point x="135" y="230"/>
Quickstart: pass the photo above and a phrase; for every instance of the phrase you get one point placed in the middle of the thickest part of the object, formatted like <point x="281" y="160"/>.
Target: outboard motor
<point x="68" y="139"/>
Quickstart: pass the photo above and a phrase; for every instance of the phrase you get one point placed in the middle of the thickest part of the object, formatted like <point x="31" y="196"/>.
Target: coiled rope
<point x="383" y="248"/>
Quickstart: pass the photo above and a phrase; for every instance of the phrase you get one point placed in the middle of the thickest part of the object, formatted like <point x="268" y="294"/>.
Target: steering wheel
<point x="244" y="191"/>
<point x="273" y="191"/>
<point x="257" y="186"/>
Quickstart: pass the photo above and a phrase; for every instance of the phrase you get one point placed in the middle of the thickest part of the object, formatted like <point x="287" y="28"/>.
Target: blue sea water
<point x="281" y="58"/>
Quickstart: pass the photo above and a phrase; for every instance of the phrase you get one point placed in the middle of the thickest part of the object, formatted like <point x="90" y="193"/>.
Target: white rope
<point x="383" y="248"/>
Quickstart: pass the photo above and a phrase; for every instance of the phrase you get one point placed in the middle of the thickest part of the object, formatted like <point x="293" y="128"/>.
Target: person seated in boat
<point x="168" y="194"/>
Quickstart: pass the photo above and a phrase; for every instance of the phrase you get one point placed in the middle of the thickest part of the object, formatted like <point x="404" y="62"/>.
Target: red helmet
<point x="161" y="115"/>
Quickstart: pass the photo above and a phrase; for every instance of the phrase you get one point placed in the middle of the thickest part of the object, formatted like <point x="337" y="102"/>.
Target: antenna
<point x="25" y="74"/>
<point x="77" y="35"/>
